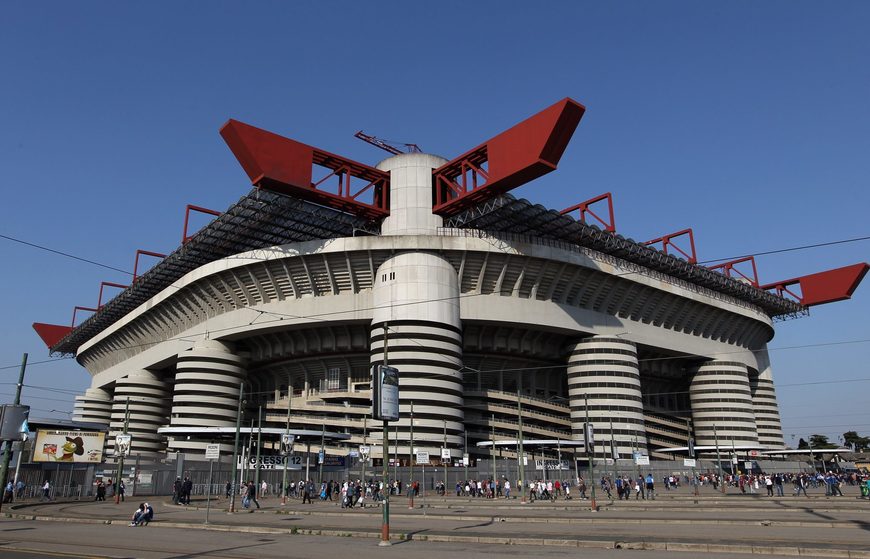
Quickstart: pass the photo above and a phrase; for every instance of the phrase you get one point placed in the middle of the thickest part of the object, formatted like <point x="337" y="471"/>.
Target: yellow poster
<point x="68" y="446"/>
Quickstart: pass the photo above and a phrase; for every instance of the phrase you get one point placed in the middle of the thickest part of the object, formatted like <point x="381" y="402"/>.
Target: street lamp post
<point x="259" y="445"/>
<point x="385" y="472"/>
<point x="411" y="462"/>
<point x="719" y="460"/>
<point x="492" y="454"/>
<point x="443" y="452"/>
<point x="121" y="458"/>
<point x="589" y="456"/>
<point x="521" y="457"/>
<point x="691" y="451"/>
<point x="287" y="443"/>
<point x="234" y="465"/>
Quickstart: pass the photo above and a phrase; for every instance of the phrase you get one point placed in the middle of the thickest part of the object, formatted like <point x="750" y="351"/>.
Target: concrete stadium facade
<point x="473" y="319"/>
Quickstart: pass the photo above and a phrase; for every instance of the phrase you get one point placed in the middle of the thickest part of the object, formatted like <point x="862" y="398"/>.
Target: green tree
<point x="802" y="444"/>
<point x="853" y="439"/>
<point x="821" y="441"/>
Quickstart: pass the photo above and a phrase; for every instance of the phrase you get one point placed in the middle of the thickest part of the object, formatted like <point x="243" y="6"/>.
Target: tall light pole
<point x="691" y="452"/>
<point x="492" y="454"/>
<point x="521" y="467"/>
<point x="365" y="457"/>
<point x="288" y="443"/>
<point x="411" y="462"/>
<point x="234" y="465"/>
<point x="259" y="440"/>
<point x="588" y="443"/>
<point x="442" y="457"/>
<point x="321" y="456"/>
<point x="465" y="457"/>
<point x="121" y="459"/>
<point x="385" y="526"/>
<point x="719" y="459"/>
<point x="614" y="455"/>
<point x="7" y="454"/>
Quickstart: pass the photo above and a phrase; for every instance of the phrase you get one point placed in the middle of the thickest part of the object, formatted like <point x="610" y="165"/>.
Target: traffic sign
<point x="422" y="457"/>
<point x="365" y="450"/>
<point x="445" y="454"/>
<point x="689" y="462"/>
<point x="212" y="452"/>
<point x="353" y="454"/>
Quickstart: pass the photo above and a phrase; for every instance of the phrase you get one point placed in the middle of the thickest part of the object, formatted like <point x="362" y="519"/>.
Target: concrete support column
<point x="719" y="393"/>
<point x="94" y="406"/>
<point x="605" y="370"/>
<point x="417" y="295"/>
<point x="764" y="404"/>
<point x="206" y="392"/>
<point x="149" y="410"/>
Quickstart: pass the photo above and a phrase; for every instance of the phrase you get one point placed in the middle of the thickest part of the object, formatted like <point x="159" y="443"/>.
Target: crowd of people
<point x="358" y="493"/>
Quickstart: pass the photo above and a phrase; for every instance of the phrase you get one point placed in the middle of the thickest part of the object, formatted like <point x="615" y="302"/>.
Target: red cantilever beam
<point x="51" y="333"/>
<point x="729" y="269"/>
<point x="518" y="155"/>
<point x="286" y="166"/>
<point x="823" y="287"/>
<point x="668" y="241"/>
<point x="108" y="284"/>
<point x="584" y="209"/>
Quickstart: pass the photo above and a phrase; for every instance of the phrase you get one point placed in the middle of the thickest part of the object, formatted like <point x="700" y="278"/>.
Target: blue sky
<point x="747" y="121"/>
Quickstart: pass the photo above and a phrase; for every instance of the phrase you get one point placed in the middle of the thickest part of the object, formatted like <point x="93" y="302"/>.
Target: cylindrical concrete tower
<point x="411" y="194"/>
<point x="94" y="406"/>
<point x="764" y="403"/>
<point x="206" y="392"/>
<point x="417" y="294"/>
<point x="149" y="410"/>
<point x="604" y="371"/>
<point x="720" y="395"/>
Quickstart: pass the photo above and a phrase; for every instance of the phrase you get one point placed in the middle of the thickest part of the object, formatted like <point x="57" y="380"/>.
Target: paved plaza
<point x="732" y="525"/>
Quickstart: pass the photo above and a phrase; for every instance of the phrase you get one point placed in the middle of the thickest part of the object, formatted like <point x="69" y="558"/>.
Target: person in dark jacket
<point x="187" y="490"/>
<point x="252" y="493"/>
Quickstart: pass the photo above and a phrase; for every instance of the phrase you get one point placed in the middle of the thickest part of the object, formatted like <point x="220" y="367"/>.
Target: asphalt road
<point x="29" y="539"/>
<point x="817" y="526"/>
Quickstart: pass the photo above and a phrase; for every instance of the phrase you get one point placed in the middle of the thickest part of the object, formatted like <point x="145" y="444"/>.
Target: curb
<point x="789" y="551"/>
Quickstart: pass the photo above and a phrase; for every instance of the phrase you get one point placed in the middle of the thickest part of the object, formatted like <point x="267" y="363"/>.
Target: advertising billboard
<point x="68" y="446"/>
<point x="385" y="393"/>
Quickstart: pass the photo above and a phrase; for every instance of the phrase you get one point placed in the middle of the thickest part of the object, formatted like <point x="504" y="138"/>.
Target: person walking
<point x="122" y="489"/>
<point x="46" y="491"/>
<point x="307" y="490"/>
<point x="650" y="486"/>
<point x="251" y="494"/>
<point x="8" y="493"/>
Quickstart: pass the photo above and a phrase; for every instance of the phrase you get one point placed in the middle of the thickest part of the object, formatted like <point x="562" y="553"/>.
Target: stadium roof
<point x="520" y="217"/>
<point x="264" y="218"/>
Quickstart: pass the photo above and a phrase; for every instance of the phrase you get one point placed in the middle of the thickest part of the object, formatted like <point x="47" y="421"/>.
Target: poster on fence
<point x="68" y="446"/>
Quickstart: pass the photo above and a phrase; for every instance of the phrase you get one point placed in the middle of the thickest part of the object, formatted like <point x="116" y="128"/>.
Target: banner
<point x="68" y="446"/>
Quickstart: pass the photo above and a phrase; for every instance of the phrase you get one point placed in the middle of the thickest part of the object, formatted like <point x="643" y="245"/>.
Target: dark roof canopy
<point x="264" y="218"/>
<point x="520" y="217"/>
<point x="260" y="219"/>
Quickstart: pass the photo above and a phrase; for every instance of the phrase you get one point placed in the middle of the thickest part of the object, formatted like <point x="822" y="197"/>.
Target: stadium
<point x="499" y="314"/>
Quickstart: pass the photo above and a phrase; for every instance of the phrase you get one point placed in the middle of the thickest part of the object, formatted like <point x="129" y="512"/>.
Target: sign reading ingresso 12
<point x="385" y="393"/>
